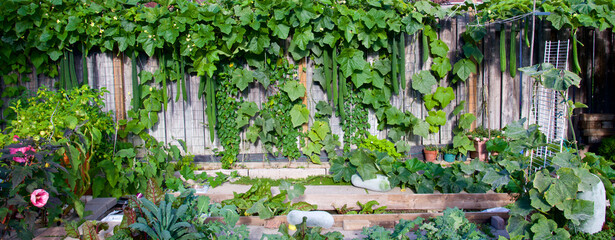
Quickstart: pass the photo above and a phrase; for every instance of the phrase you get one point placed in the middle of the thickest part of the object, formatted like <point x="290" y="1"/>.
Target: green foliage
<point x="320" y="137"/>
<point x="259" y="200"/>
<point x="163" y="221"/>
<point x="304" y="233"/>
<point x="373" y="144"/>
<point x="228" y="103"/>
<point x="451" y="225"/>
<point x="607" y="148"/>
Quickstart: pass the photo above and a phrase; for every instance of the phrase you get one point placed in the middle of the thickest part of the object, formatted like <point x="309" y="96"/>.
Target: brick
<point x="498" y="222"/>
<point x="354" y="225"/>
<point x="273" y="223"/>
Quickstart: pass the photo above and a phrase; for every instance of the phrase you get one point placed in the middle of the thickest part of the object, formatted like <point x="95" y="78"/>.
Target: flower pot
<point x="430" y="156"/>
<point x="462" y="157"/>
<point x="449" y="157"/>
<point x="481" y="150"/>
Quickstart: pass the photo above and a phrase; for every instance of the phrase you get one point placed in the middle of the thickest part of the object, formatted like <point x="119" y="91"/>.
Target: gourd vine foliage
<point x="227" y="103"/>
<point x="188" y="38"/>
<point x="281" y="117"/>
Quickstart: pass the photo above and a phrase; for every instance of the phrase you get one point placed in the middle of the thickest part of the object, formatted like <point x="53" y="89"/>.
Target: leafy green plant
<point x="373" y="144"/>
<point x="607" y="148"/>
<point x="259" y="200"/>
<point x="27" y="166"/>
<point x="303" y="232"/>
<point x="90" y="229"/>
<point x="431" y="148"/>
<point x="320" y="137"/>
<point x="163" y="221"/>
<point x="451" y="225"/>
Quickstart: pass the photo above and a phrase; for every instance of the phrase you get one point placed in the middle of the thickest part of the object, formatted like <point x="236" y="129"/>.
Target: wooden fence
<point x="493" y="96"/>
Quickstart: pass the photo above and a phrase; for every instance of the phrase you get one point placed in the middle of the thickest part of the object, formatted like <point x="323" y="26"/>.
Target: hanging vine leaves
<point x="299" y="115"/>
<point x="423" y="81"/>
<point x="294" y="90"/>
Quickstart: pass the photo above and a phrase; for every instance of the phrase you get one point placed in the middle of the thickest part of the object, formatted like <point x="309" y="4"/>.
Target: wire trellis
<point x="549" y="108"/>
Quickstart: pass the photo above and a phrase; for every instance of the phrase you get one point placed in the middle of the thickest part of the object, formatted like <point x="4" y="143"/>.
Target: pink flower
<point x="15" y="138"/>
<point x="22" y="150"/>
<point x="39" y="198"/>
<point x="139" y="195"/>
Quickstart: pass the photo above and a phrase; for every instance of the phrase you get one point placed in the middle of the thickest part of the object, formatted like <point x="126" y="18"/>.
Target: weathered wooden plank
<point x="383" y="220"/>
<point x="510" y="108"/>
<point x="435" y="137"/>
<point x="118" y="84"/>
<point x="195" y="118"/>
<point x="525" y="81"/>
<point x="448" y="34"/>
<point x="158" y="131"/>
<point x="104" y="79"/>
<point x="494" y="78"/>
<point x="175" y="126"/>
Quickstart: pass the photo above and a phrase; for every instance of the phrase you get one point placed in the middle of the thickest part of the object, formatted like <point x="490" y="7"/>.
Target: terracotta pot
<point x="430" y="156"/>
<point x="481" y="150"/>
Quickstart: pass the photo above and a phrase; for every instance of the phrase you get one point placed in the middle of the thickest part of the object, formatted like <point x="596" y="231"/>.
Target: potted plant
<point x="461" y="142"/>
<point x="449" y="153"/>
<point x="480" y="136"/>
<point x="431" y="153"/>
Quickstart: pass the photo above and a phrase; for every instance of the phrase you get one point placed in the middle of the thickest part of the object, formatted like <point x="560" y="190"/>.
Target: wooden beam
<point x="330" y="197"/>
<point x="384" y="220"/>
<point x="303" y="81"/>
<point x="118" y="83"/>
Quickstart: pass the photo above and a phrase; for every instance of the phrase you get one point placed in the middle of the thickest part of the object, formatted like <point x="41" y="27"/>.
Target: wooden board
<point x="493" y="78"/>
<point x="331" y="197"/>
<point x="510" y="87"/>
<point x="384" y="220"/>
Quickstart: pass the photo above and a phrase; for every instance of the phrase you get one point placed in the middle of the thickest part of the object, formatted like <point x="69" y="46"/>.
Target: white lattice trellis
<point x="549" y="108"/>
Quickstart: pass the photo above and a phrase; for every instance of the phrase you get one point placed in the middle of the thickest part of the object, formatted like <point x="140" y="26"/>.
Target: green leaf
<point x="321" y="129"/>
<point x="299" y="115"/>
<point x="565" y="187"/>
<point x="292" y="190"/>
<point x="248" y="108"/>
<point x="444" y="96"/>
<point x="294" y="89"/>
<point x="361" y="77"/>
<point x="538" y="201"/>
<point x="383" y="66"/>
<point x="547" y="229"/>
<point x="303" y="37"/>
<point x="466" y="120"/>
<point x="463" y="68"/>
<point x="421" y="128"/>
<point x="423" y="81"/>
<point x="242" y="78"/>
<point x="470" y="50"/>
<point x="439" y="48"/>
<point x="441" y="65"/>
<point x="578" y="210"/>
<point x="558" y="21"/>
<point x="430" y="103"/>
<point x="351" y="59"/>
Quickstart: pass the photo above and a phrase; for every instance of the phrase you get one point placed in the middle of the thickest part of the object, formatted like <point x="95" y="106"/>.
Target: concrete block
<point x="498" y="222"/>
<point x="99" y="206"/>
<point x="354" y="225"/>
<point x="284" y="173"/>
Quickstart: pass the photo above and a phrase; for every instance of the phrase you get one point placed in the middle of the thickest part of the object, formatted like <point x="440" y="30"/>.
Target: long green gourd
<point x="210" y="101"/>
<point x="526" y="33"/>
<point x="136" y="89"/>
<point x="179" y="79"/>
<point x="183" y="78"/>
<point x="425" y="47"/>
<point x="575" y="54"/>
<point x="164" y="80"/>
<point x="402" y="59"/>
<point x="513" y="51"/>
<point x="71" y="68"/>
<point x="394" y="65"/>
<point x="84" y="63"/>
<point x="503" y="49"/>
<point x="327" y="72"/>
<point x="342" y="89"/>
<point x="334" y="71"/>
<point x="67" y="82"/>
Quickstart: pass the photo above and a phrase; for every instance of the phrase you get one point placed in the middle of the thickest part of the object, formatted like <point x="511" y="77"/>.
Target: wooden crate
<point x="596" y="126"/>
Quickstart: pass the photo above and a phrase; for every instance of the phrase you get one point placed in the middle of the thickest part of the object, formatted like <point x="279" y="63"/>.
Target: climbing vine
<point x="202" y="38"/>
